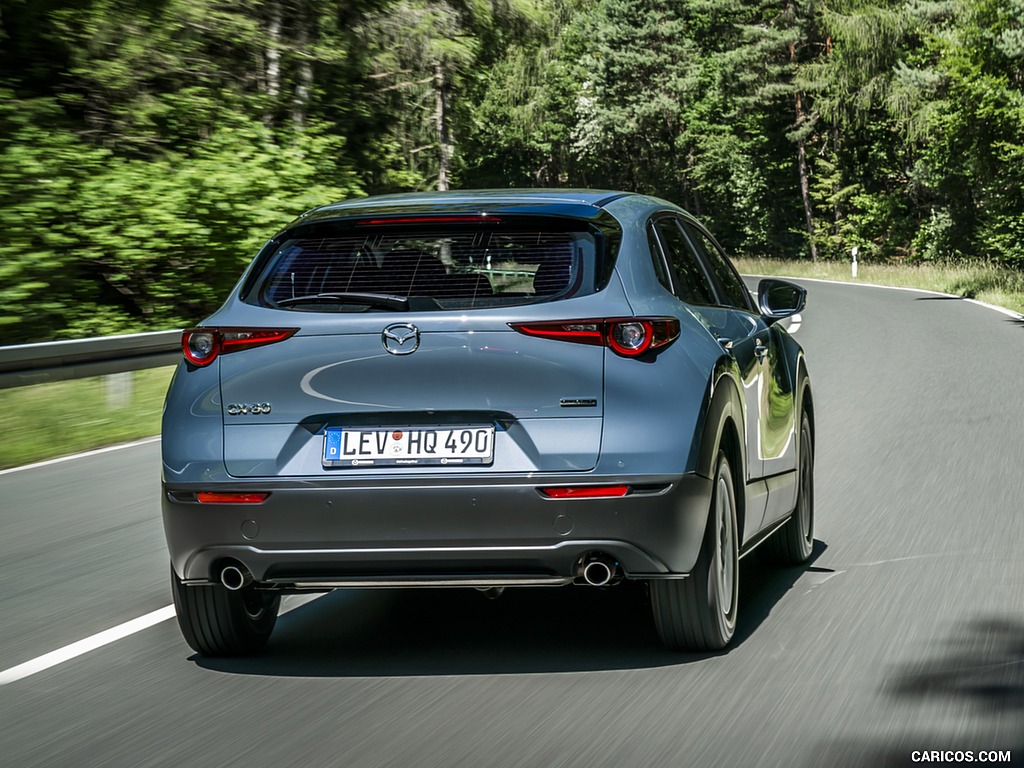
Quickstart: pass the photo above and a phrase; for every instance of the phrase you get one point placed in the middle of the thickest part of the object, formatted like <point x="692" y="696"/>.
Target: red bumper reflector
<point x="217" y="497"/>
<point x="586" y="492"/>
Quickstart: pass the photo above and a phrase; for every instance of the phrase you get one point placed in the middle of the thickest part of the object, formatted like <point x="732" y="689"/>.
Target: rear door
<point x="737" y="332"/>
<point x="776" y="431"/>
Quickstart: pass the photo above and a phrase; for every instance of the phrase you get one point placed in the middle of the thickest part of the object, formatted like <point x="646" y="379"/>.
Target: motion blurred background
<point x="149" y="147"/>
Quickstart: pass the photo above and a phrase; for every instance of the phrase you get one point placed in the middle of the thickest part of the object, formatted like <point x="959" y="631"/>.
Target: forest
<point x="148" y="148"/>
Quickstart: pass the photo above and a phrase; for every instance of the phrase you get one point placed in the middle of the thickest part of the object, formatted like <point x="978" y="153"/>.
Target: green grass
<point x="47" y="420"/>
<point x="994" y="285"/>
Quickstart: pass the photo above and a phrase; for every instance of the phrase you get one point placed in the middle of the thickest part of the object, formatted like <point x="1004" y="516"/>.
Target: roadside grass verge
<point x="993" y="285"/>
<point x="43" y="421"/>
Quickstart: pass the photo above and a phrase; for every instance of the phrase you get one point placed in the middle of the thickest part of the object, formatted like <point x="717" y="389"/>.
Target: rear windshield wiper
<point x="377" y="300"/>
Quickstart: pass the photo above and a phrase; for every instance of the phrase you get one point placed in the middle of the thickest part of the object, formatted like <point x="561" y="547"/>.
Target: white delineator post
<point x="118" y="388"/>
<point x="853" y="268"/>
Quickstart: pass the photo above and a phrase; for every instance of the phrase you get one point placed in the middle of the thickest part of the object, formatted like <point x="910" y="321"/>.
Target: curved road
<point x="906" y="632"/>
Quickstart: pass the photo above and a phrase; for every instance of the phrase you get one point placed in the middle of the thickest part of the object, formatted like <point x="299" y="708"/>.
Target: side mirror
<point x="778" y="299"/>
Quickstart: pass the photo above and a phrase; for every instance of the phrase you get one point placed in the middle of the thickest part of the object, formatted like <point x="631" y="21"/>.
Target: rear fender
<point x="192" y="433"/>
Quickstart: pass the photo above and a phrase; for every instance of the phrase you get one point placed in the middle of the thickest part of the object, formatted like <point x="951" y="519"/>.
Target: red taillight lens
<point x="627" y="336"/>
<point x="586" y="492"/>
<point x="631" y="338"/>
<point x="220" y="497"/>
<point x="580" y="331"/>
<point x="202" y="345"/>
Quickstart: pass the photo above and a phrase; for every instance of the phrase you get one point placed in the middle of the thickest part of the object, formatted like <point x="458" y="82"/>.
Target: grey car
<point x="486" y="389"/>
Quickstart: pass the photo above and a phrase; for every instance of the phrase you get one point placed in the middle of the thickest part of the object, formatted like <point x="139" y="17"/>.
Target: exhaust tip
<point x="597" y="573"/>
<point x="235" y="577"/>
<point x="598" y="569"/>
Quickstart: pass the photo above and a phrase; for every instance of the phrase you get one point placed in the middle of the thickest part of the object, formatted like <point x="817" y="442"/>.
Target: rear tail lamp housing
<point x="626" y="336"/>
<point x="201" y="346"/>
<point x="586" y="491"/>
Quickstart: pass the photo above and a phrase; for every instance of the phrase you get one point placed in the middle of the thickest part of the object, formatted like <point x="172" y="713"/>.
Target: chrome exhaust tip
<point x="235" y="577"/>
<point x="598" y="570"/>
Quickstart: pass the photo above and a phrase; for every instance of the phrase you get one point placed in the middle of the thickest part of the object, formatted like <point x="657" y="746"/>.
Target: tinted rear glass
<point x="442" y="267"/>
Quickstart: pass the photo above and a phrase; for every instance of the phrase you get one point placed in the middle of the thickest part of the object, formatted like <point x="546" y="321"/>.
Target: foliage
<point x="99" y="243"/>
<point x="147" y="149"/>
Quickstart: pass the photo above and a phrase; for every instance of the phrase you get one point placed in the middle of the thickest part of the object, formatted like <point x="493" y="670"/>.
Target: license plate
<point x="407" y="446"/>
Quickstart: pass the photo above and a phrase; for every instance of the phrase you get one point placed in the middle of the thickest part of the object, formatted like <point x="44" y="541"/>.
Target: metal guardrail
<point x="74" y="359"/>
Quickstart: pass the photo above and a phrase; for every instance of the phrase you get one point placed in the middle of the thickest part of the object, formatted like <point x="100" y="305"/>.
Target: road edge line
<point x="82" y="455"/>
<point x="112" y="635"/>
<point x="1001" y="310"/>
<point x="91" y="643"/>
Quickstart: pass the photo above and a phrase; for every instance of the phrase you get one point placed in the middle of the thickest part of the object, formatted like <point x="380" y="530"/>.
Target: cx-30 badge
<point x="401" y="339"/>
<point x="244" y="409"/>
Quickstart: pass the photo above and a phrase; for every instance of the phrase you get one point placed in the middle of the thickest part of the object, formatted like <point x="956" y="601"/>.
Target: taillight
<point x="627" y="336"/>
<point x="202" y="345"/>
<point x="222" y="497"/>
<point x="585" y="491"/>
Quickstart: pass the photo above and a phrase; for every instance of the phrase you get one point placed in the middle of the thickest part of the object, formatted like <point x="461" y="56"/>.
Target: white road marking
<point x="986" y="305"/>
<point x="794" y="323"/>
<point x="121" y="631"/>
<point x="75" y="650"/>
<point x="108" y="449"/>
<point x="1002" y="310"/>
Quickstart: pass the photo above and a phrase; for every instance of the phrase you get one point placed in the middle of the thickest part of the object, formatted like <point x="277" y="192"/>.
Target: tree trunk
<point x="801" y="162"/>
<point x="805" y="182"/>
<point x="441" y="125"/>
<point x="273" y="58"/>
<point x="304" y="83"/>
<point x="837" y="211"/>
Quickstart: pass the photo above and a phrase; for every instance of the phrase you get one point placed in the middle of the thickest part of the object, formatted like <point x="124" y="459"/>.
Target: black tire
<point x="793" y="542"/>
<point x="218" y="622"/>
<point x="698" y="613"/>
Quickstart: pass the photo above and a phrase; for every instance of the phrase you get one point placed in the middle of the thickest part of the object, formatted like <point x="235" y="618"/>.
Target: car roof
<point x="578" y="203"/>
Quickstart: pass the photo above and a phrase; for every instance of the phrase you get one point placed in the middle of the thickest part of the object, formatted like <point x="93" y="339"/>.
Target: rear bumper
<point x="480" y="532"/>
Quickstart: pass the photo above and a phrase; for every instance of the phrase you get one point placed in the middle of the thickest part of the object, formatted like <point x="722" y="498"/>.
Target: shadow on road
<point x="426" y="632"/>
<point x="985" y="665"/>
<point x="979" y="680"/>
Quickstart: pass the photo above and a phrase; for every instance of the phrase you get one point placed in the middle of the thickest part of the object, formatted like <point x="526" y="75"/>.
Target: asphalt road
<point x="905" y="633"/>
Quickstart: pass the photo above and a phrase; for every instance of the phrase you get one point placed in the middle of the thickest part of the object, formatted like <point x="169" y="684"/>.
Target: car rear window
<point x="441" y="267"/>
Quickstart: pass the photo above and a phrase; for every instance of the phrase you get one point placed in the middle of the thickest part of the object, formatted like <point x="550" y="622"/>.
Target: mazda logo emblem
<point x="401" y="339"/>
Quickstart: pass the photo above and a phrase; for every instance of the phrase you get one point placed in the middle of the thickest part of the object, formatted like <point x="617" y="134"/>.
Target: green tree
<point x="139" y="174"/>
<point x="776" y="119"/>
<point x="973" y="140"/>
<point x="426" y="55"/>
